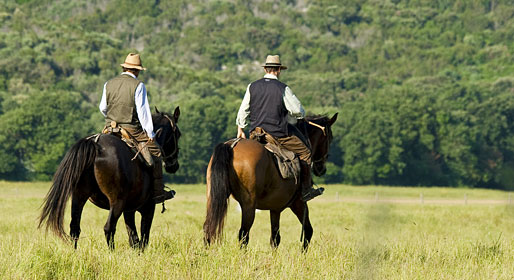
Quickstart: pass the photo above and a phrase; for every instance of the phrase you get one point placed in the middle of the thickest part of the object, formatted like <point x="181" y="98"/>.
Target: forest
<point x="424" y="88"/>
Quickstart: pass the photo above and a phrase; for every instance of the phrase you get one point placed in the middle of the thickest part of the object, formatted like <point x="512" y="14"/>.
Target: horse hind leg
<point x="130" y="222"/>
<point x="77" y="205"/>
<point x="247" y="218"/>
<point x="79" y="198"/>
<point x="110" y="226"/>
<point x="275" y="228"/>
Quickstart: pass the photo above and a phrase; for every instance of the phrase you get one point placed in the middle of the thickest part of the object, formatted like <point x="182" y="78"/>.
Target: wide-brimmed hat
<point x="133" y="61"/>
<point x="274" y="61"/>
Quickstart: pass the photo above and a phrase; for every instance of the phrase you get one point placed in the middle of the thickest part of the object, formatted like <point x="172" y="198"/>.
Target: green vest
<point x="121" y="104"/>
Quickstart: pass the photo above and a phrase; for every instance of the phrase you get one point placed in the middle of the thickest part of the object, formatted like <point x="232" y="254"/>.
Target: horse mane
<point x="156" y="117"/>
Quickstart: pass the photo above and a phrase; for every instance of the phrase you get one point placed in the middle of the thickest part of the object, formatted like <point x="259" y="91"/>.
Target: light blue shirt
<point x="293" y="106"/>
<point x="143" y="109"/>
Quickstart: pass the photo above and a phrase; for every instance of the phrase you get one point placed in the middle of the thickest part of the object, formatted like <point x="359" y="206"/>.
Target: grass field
<point x="359" y="233"/>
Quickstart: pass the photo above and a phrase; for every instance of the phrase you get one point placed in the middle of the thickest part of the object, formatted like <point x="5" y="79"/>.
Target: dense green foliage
<point x="424" y="88"/>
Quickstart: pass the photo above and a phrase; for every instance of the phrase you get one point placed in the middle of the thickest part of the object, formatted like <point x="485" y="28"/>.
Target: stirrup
<point x="165" y="195"/>
<point x="312" y="193"/>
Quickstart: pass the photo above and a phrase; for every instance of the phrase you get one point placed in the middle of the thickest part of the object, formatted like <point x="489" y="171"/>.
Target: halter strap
<point x="318" y="126"/>
<point x="323" y="128"/>
<point x="174" y="139"/>
<point x="171" y="121"/>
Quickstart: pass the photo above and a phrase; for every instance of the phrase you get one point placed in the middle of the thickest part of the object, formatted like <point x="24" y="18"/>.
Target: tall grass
<point x="352" y="240"/>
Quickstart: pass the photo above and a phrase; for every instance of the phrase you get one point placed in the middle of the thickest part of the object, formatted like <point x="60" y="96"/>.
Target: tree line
<point x="423" y="88"/>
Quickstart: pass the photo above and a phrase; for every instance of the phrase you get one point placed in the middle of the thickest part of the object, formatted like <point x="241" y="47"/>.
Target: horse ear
<point x="333" y="119"/>
<point x="157" y="110"/>
<point x="176" y="114"/>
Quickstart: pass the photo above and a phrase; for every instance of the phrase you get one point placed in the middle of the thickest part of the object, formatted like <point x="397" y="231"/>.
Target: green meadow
<point x="359" y="233"/>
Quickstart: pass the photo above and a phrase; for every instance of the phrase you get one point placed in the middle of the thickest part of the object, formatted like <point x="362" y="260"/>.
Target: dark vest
<point x="121" y="104"/>
<point x="267" y="109"/>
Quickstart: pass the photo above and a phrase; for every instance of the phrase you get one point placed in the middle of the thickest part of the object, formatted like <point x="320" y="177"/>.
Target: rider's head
<point x="272" y="70"/>
<point x="132" y="64"/>
<point x="273" y="65"/>
<point x="131" y="70"/>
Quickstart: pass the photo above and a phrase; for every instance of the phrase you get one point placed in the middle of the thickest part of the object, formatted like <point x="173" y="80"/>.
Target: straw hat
<point x="274" y="61"/>
<point x="133" y="61"/>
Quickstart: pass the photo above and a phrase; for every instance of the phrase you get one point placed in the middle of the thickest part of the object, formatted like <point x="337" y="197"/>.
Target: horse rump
<point x="80" y="157"/>
<point x="218" y="191"/>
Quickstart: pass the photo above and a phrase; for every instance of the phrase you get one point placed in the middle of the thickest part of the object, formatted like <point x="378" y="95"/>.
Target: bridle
<point x="325" y="156"/>
<point x="318" y="126"/>
<point x="175" y="142"/>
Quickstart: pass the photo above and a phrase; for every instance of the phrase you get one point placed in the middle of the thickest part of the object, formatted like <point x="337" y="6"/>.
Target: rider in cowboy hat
<point x="124" y="101"/>
<point x="272" y="106"/>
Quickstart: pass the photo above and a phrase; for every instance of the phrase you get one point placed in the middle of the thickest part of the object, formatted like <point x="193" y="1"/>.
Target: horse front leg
<point x="275" y="228"/>
<point x="110" y="226"/>
<point x="301" y="211"/>
<point x="130" y="222"/>
<point x="147" y="213"/>
<point x="247" y="218"/>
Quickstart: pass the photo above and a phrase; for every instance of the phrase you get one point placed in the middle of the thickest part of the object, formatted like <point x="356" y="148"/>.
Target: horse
<point x="103" y="170"/>
<point x="248" y="173"/>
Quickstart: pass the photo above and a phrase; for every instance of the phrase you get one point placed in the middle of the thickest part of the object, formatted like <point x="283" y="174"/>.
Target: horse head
<point x="167" y="135"/>
<point x="320" y="136"/>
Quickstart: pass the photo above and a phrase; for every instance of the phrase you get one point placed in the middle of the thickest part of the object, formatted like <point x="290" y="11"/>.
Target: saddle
<point x="287" y="162"/>
<point x="139" y="148"/>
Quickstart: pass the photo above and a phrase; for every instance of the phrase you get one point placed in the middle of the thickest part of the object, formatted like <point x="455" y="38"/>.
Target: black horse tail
<point x="219" y="192"/>
<point x="80" y="157"/>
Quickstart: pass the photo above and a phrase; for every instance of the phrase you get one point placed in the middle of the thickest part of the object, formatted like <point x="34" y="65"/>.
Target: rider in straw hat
<point x="272" y="106"/>
<point x="124" y="101"/>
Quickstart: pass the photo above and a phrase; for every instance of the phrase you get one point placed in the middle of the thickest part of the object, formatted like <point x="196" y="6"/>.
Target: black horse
<point x="102" y="170"/>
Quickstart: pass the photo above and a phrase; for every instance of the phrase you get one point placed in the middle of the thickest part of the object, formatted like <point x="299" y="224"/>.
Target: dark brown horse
<point x="103" y="172"/>
<point x="249" y="174"/>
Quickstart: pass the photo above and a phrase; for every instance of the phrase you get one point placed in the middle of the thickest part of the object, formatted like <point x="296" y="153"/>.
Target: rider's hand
<point x="240" y="133"/>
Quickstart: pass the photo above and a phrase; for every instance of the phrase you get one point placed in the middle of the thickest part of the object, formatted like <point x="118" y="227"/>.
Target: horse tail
<point x="219" y="192"/>
<point x="80" y="157"/>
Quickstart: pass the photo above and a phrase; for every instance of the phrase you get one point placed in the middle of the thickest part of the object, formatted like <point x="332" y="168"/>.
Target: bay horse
<point x="248" y="173"/>
<point x="102" y="170"/>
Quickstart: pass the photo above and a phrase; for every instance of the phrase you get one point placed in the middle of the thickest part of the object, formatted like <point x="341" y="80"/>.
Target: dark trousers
<point x="140" y="135"/>
<point x="296" y="145"/>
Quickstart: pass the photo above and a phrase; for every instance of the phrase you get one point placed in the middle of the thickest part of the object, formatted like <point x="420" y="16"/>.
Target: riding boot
<point x="308" y="192"/>
<point x="159" y="194"/>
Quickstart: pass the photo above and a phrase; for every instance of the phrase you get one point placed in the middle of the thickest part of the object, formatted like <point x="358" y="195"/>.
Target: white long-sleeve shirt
<point x="142" y="107"/>
<point x="291" y="102"/>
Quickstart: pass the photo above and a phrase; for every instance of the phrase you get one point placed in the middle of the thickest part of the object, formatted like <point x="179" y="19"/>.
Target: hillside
<point x="424" y="88"/>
